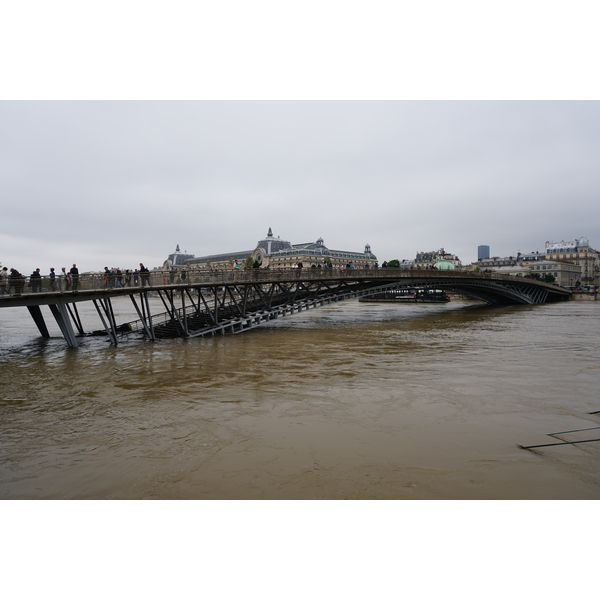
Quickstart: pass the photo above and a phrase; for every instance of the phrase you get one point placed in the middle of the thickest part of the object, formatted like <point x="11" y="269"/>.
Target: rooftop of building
<point x="444" y="265"/>
<point x="276" y="247"/>
<point x="563" y="246"/>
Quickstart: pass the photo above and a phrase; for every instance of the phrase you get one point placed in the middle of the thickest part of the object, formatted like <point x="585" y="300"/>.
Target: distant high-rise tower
<point x="483" y="252"/>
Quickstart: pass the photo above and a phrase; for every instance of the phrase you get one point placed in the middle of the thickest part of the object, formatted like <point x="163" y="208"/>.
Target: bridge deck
<point x="94" y="286"/>
<point x="234" y="301"/>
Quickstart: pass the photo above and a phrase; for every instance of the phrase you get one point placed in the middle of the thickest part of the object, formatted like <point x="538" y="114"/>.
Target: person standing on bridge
<point x="4" y="281"/>
<point x="52" y="278"/>
<point x="74" y="276"/>
<point x="65" y="280"/>
<point x="35" y="281"/>
<point x="145" y="275"/>
<point x="17" y="281"/>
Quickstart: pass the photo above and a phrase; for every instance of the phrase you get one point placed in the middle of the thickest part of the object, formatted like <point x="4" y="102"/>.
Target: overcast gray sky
<point x="115" y="183"/>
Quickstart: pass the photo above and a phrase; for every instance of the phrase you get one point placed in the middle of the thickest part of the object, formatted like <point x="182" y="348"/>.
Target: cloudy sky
<point x="115" y="183"/>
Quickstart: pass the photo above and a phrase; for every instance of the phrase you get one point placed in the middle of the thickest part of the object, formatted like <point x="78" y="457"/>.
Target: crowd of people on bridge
<point x="14" y="283"/>
<point x="14" y="280"/>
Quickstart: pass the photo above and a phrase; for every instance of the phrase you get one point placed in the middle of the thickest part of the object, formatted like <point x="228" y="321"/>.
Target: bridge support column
<point x="183" y="314"/>
<point x="62" y="318"/>
<point x="36" y="313"/>
<point x="109" y="323"/>
<point x="76" y="318"/>
<point x="144" y="314"/>
<point x="172" y="309"/>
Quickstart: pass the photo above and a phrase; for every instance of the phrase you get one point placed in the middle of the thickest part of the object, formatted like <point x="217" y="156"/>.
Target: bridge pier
<point x="109" y="323"/>
<point x="172" y="310"/>
<point x="36" y="313"/>
<point x="76" y="318"/>
<point x="61" y="315"/>
<point x="144" y="314"/>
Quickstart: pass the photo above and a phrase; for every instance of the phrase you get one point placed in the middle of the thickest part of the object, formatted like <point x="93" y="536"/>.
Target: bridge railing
<point x="164" y="278"/>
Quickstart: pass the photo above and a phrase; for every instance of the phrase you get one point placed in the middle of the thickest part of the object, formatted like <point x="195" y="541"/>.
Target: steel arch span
<point x="244" y="305"/>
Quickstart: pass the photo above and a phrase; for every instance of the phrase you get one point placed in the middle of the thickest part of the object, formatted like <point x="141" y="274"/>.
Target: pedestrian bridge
<point x="210" y="302"/>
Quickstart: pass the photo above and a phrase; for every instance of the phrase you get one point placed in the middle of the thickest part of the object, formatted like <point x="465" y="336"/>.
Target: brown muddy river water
<point x="358" y="401"/>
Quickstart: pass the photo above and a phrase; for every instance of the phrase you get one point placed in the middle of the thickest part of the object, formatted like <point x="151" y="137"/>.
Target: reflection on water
<point x="346" y="401"/>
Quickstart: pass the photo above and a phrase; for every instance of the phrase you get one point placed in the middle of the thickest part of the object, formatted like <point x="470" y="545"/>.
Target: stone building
<point x="566" y="273"/>
<point x="220" y="261"/>
<point x="425" y="260"/>
<point x="496" y="261"/>
<point x="274" y="253"/>
<point x="506" y="261"/>
<point x="579" y="252"/>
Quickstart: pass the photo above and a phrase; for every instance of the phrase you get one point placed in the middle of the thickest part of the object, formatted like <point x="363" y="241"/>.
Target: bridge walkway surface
<point x="211" y="302"/>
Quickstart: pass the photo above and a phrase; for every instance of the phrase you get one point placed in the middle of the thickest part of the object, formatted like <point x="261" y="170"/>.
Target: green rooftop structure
<point x="444" y="265"/>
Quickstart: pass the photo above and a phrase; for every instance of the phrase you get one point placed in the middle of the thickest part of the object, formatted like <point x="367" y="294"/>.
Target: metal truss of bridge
<point x="235" y="301"/>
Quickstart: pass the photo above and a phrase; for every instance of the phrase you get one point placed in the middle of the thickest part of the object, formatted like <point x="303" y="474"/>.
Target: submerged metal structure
<point x="209" y="303"/>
